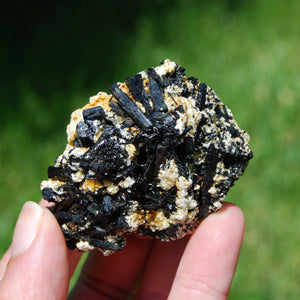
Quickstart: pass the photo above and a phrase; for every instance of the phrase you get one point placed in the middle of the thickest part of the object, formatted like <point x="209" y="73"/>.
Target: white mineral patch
<point x="65" y="227"/>
<point x="217" y="205"/>
<point x="111" y="187"/>
<point x="78" y="176"/>
<point x="84" y="246"/>
<point x="168" y="175"/>
<point x="125" y="132"/>
<point x="131" y="150"/>
<point x="180" y="123"/>
<point x="101" y="99"/>
<point x="183" y="201"/>
<point x="184" y="184"/>
<point x="167" y="67"/>
<point x="189" y="85"/>
<point x="54" y="184"/>
<point x="134" y="218"/>
<point x="98" y="132"/>
<point x="159" y="222"/>
<point x="128" y="182"/>
<point x="91" y="185"/>
<point x="76" y="117"/>
<point x="74" y="151"/>
<point x="213" y="191"/>
<point x="190" y="117"/>
<point x="193" y="116"/>
<point x="173" y="90"/>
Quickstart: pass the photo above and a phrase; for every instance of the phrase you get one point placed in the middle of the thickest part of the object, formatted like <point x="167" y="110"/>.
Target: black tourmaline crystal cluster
<point x="155" y="158"/>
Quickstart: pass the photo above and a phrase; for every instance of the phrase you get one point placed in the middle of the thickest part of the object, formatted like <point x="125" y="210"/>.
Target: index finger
<point x="208" y="264"/>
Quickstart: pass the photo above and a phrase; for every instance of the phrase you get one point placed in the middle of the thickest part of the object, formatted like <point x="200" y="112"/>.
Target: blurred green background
<point x="55" y="54"/>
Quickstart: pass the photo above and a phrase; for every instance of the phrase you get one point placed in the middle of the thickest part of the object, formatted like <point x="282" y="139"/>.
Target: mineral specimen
<point x="155" y="158"/>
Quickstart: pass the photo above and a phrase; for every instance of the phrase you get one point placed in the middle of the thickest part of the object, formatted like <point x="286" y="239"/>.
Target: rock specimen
<point x="155" y="158"/>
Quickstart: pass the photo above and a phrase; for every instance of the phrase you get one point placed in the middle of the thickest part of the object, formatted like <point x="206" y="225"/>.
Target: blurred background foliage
<point x="55" y="54"/>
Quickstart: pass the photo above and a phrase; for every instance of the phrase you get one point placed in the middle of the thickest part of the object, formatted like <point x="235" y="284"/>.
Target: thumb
<point x="38" y="266"/>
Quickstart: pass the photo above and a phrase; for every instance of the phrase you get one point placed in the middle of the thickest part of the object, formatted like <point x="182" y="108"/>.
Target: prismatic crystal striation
<point x="155" y="158"/>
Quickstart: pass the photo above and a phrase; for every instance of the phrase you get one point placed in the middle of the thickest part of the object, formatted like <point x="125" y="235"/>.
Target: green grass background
<point x="55" y="54"/>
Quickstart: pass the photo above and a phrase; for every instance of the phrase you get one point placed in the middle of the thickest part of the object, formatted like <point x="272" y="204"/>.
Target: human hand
<point x="39" y="266"/>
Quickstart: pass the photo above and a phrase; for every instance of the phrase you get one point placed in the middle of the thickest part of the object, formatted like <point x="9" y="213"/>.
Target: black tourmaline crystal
<point x="155" y="158"/>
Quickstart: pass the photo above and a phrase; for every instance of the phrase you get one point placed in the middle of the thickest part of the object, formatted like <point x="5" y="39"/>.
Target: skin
<point x="200" y="266"/>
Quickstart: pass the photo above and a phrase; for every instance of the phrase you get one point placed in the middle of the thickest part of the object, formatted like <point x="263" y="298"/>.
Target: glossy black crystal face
<point x="155" y="158"/>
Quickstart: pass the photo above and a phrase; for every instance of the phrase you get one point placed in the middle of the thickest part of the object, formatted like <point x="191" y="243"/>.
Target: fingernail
<point x="26" y="228"/>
